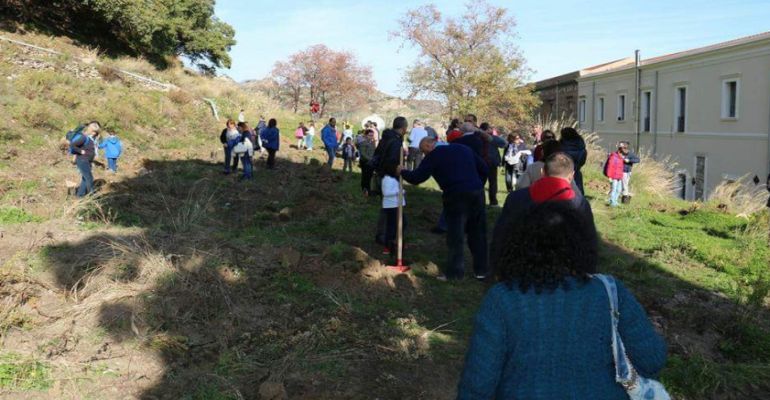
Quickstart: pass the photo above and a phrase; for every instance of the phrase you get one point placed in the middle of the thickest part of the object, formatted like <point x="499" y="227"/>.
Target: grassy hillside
<point x="178" y="282"/>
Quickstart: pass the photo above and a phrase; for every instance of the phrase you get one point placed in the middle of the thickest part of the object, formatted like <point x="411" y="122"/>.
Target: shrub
<point x="180" y="97"/>
<point x="741" y="197"/>
<point x="109" y="74"/>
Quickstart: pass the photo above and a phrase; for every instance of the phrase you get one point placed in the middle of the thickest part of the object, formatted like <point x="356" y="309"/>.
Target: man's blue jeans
<point x="617" y="187"/>
<point x="87" y="178"/>
<point x="332" y="153"/>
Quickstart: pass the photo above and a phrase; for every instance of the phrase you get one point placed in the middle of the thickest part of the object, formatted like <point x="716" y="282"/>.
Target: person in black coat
<point x="390" y="149"/>
<point x="555" y="185"/>
<point x="574" y="145"/>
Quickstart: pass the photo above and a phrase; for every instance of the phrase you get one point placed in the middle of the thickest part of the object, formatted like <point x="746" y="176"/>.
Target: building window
<point x="680" y="111"/>
<point x="621" y="107"/>
<point x="646" y="111"/>
<point x="600" y="110"/>
<point x="582" y="110"/>
<point x="730" y="99"/>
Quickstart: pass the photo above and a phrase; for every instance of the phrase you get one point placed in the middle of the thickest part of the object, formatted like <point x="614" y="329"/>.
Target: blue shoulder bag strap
<point x="623" y="370"/>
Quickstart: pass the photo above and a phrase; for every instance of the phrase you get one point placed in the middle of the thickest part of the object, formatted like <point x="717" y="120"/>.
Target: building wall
<point x="732" y="147"/>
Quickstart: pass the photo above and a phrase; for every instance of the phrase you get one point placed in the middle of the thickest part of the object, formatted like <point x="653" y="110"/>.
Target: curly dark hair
<point x="559" y="242"/>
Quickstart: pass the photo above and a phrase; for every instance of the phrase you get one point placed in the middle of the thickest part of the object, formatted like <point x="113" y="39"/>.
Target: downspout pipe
<point x="655" y="120"/>
<point x="593" y="106"/>
<point x="637" y="105"/>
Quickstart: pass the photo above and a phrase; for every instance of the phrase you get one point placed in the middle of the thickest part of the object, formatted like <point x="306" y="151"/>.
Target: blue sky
<point x="555" y="36"/>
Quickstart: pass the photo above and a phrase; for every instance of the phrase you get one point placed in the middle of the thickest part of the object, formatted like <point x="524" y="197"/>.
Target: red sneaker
<point x="386" y="251"/>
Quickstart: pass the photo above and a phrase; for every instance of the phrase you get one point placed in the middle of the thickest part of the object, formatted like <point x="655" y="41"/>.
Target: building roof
<point x="683" y="54"/>
<point x="572" y="77"/>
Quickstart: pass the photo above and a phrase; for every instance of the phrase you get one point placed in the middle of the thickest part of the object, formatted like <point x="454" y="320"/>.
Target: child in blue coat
<point x="113" y="148"/>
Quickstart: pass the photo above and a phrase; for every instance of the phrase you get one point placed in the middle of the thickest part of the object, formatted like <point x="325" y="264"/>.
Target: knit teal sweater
<point x="555" y="345"/>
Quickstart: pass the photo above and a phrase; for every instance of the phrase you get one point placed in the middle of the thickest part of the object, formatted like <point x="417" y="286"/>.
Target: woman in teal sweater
<point x="544" y="331"/>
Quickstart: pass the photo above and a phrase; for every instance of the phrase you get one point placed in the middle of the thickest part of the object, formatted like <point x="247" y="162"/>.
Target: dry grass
<point x="741" y="197"/>
<point x="555" y="125"/>
<point x="655" y="177"/>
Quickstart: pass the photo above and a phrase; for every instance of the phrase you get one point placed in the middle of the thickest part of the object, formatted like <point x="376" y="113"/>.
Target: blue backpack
<point x="74" y="135"/>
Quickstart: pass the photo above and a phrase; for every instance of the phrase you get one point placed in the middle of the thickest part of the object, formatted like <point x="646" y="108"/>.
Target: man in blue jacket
<point x="271" y="141"/>
<point x="329" y="137"/>
<point x="460" y="174"/>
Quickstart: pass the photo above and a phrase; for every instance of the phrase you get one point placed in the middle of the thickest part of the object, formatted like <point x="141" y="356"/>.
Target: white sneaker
<point x="442" y="278"/>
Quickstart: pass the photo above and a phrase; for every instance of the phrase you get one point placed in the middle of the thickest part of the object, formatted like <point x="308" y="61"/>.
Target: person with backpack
<point x="629" y="159"/>
<point x="244" y="150"/>
<point x="366" y="152"/>
<point x="82" y="146"/>
<point x="113" y="149"/>
<point x="348" y="155"/>
<point x="271" y="141"/>
<point x="613" y="169"/>
<point x="545" y="330"/>
<point x="535" y="170"/>
<point x="229" y="138"/>
<point x="329" y="138"/>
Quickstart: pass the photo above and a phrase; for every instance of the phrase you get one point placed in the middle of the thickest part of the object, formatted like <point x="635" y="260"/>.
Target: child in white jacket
<point x="390" y="189"/>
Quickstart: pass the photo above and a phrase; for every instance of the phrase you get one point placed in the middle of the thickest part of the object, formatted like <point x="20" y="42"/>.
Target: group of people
<point x="83" y="144"/>
<point x="240" y="142"/>
<point x="549" y="316"/>
<point x="545" y="330"/>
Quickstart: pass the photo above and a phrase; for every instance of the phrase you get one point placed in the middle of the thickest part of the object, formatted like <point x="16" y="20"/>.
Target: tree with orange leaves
<point x="333" y="79"/>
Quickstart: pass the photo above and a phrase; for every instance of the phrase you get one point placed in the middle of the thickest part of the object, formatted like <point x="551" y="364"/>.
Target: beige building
<point x="559" y="95"/>
<point x="708" y="108"/>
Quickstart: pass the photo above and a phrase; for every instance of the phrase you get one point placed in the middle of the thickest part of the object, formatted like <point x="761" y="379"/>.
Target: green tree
<point x="470" y="62"/>
<point x="157" y="29"/>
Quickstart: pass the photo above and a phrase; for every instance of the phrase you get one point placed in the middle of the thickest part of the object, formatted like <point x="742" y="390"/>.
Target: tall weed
<point x="741" y="197"/>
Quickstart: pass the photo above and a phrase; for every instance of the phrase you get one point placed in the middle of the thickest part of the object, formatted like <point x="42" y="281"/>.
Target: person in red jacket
<point x="613" y="169"/>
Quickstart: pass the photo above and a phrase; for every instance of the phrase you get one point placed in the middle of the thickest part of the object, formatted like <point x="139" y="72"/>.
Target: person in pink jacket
<point x="299" y="134"/>
<point x="613" y="169"/>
